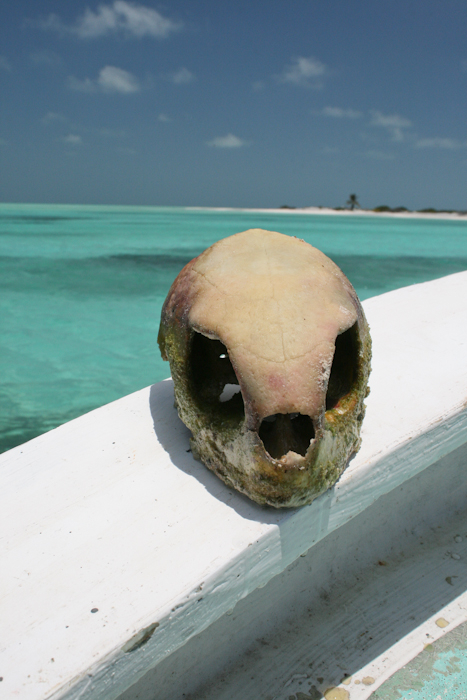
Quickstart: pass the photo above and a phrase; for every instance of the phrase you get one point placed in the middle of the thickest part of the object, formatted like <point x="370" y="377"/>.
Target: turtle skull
<point x="270" y="352"/>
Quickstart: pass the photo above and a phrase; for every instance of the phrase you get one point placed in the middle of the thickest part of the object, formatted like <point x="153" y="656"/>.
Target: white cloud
<point x="341" y="113"/>
<point x="229" y="141"/>
<point x="258" y="85"/>
<point x="164" y="118"/>
<point x="112" y="133"/>
<point x="304" y="71"/>
<point x="390" y="121"/>
<point x="86" y="85"/>
<point x="181" y="76"/>
<point x="397" y="134"/>
<point x="379" y="155"/>
<point x="110" y="79"/>
<point x="46" y="58"/>
<point x="53" y="23"/>
<point x="94" y="24"/>
<point x="394" y="124"/>
<point x="445" y="143"/>
<point x="120" y="17"/>
<point x="368" y="138"/>
<point x="5" y="64"/>
<point x="53" y="117"/>
<point x="72" y="139"/>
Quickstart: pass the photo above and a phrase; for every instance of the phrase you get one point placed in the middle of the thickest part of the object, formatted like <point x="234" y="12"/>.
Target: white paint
<point x="347" y="634"/>
<point x="110" y="511"/>
<point x="337" y="610"/>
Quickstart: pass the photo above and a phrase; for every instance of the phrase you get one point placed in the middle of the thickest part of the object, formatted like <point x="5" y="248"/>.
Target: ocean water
<point x="82" y="289"/>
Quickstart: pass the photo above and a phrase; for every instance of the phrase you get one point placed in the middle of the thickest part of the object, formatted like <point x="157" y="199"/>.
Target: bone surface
<point x="275" y="316"/>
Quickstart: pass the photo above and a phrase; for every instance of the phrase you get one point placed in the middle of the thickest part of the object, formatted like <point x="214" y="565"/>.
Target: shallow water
<point x="81" y="289"/>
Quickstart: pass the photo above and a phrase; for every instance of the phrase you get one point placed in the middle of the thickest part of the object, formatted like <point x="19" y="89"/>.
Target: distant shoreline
<point x="326" y="211"/>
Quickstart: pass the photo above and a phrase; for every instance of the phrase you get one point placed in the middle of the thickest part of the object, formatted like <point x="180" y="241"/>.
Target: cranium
<point x="269" y="351"/>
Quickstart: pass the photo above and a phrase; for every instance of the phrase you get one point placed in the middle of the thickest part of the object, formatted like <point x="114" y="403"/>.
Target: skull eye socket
<point x="213" y="382"/>
<point x="344" y="370"/>
<point x="287" y="432"/>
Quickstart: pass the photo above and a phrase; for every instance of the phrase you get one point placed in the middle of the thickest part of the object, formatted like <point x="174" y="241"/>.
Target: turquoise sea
<point x="82" y="289"/>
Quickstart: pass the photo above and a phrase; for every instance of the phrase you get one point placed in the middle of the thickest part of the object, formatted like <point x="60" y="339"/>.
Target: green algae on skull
<point x="270" y="352"/>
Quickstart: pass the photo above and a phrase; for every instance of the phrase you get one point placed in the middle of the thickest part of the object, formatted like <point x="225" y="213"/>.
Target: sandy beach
<point x="326" y="211"/>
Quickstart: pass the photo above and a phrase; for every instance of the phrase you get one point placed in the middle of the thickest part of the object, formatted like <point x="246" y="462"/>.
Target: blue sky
<point x="234" y="102"/>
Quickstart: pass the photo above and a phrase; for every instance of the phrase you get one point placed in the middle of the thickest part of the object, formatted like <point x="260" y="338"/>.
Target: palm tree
<point x="353" y="202"/>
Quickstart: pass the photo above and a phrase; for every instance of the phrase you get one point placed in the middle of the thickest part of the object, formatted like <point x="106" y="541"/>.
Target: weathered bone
<point x="277" y="317"/>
